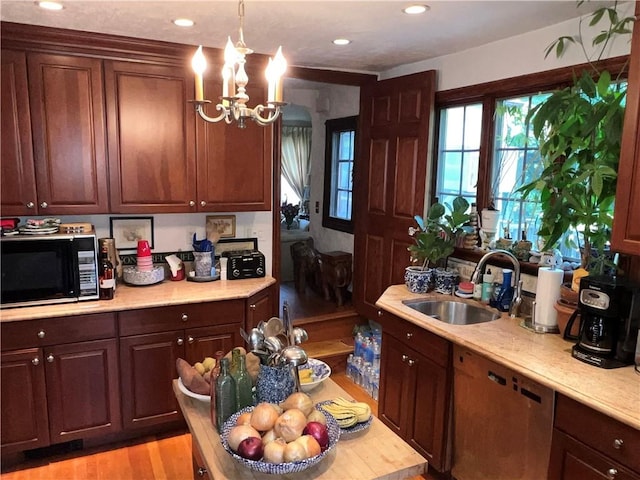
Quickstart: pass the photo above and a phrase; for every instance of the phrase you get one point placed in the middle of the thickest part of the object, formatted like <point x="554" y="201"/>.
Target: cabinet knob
<point x="409" y="335"/>
<point x="618" y="443"/>
<point x="180" y="341"/>
<point x="30" y="204"/>
<point x="252" y="306"/>
<point x="202" y="471"/>
<point x="41" y="334"/>
<point x="611" y="473"/>
<point x="192" y="203"/>
<point x="35" y="361"/>
<point x="190" y="339"/>
<point x="411" y="362"/>
<point x="202" y="203"/>
<point x="44" y="204"/>
<point x="380" y="313"/>
<point x="405" y="358"/>
<point x="50" y="358"/>
<point x="184" y="317"/>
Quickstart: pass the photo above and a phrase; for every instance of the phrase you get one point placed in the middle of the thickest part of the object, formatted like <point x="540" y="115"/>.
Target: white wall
<point x="515" y="56"/>
<point x="323" y="101"/>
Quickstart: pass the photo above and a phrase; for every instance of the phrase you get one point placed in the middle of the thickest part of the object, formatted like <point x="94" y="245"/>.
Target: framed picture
<point x="224" y="246"/>
<point x="128" y="230"/>
<point x="224" y="225"/>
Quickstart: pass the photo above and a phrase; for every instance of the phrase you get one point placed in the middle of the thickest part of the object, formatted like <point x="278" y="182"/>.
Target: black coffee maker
<point x="609" y="319"/>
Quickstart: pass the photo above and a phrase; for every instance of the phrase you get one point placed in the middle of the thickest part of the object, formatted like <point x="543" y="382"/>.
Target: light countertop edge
<point x="544" y="358"/>
<point x="159" y="295"/>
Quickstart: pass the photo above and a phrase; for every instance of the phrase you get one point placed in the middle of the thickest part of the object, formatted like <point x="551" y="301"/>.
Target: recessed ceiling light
<point x="183" y="22"/>
<point x="50" y="5"/>
<point x="342" y="41"/>
<point x="415" y="9"/>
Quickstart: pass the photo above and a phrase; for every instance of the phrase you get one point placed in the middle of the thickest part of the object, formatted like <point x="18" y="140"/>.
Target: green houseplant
<point x="579" y="129"/>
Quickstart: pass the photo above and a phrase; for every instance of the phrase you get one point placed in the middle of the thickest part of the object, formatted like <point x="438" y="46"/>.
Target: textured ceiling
<point x="383" y="37"/>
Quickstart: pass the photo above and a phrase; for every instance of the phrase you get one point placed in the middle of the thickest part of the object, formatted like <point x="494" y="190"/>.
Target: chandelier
<point x="233" y="106"/>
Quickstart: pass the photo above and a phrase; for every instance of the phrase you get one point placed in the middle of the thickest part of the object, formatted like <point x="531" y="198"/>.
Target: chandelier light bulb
<point x="199" y="65"/>
<point x="279" y="67"/>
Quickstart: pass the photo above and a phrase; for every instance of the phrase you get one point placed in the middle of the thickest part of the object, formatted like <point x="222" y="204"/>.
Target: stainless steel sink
<point x="455" y="313"/>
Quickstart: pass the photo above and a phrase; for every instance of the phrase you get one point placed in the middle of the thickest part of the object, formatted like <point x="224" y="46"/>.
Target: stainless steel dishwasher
<point x="502" y="421"/>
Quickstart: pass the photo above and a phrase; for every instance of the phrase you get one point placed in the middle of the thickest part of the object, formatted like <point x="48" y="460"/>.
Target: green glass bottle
<point x="244" y="384"/>
<point x="236" y="353"/>
<point x="214" y="377"/>
<point x="226" y="403"/>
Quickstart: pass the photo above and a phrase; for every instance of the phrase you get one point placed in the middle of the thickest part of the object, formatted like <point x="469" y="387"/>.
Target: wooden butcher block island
<point x="373" y="453"/>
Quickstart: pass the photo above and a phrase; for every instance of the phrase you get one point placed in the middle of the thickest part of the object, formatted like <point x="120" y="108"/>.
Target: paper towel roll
<point x="547" y="294"/>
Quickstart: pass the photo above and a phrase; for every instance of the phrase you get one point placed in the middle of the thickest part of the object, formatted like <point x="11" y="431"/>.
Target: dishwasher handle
<point x="494" y="377"/>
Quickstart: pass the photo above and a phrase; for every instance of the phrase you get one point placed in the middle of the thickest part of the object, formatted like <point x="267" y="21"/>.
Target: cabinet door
<point x="83" y="390"/>
<point x="151" y="128"/>
<point x="260" y="307"/>
<point x="397" y="386"/>
<point x="67" y="114"/>
<point x="206" y="341"/>
<point x="626" y="228"/>
<point x="24" y="423"/>
<point x="148" y="366"/>
<point x="427" y="423"/>
<point x="572" y="460"/>
<point x="18" y="196"/>
<point x="235" y="164"/>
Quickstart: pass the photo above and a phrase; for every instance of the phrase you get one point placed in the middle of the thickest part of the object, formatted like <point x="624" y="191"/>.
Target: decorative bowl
<point x="189" y="393"/>
<point x="321" y="371"/>
<point x="358" y="427"/>
<point x="279" y="468"/>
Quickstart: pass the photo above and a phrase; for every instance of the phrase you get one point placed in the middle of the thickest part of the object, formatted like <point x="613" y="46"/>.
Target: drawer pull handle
<point x="612" y="472"/>
<point x="36" y="361"/>
<point x="409" y="335"/>
<point x="180" y="341"/>
<point x="50" y="358"/>
<point x="618" y="443"/>
<point x="405" y="358"/>
<point x="203" y="203"/>
<point x="184" y="317"/>
<point x="380" y="313"/>
<point x="41" y="334"/>
<point x="411" y="362"/>
<point x="202" y="471"/>
<point x="190" y="339"/>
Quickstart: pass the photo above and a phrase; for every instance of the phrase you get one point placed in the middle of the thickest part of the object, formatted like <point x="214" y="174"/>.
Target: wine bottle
<point x="106" y="276"/>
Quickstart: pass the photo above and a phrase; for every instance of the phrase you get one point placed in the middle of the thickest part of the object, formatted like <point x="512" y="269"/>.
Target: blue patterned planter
<point x="446" y="280"/>
<point x="274" y="384"/>
<point x="418" y="280"/>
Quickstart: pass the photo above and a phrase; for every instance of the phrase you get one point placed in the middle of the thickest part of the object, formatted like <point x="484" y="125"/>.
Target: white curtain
<point x="296" y="156"/>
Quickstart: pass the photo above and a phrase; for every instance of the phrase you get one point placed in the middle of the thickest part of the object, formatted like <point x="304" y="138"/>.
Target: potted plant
<point x="435" y="239"/>
<point x="289" y="212"/>
<point x="579" y="129"/>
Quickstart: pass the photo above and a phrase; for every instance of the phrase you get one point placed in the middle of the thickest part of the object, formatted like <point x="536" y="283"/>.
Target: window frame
<point x="332" y="127"/>
<point x="490" y="92"/>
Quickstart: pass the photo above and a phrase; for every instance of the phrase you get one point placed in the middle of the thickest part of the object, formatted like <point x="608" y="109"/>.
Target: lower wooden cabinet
<point x="415" y="376"/>
<point x="589" y="445"/>
<point x="262" y="306"/>
<point x="59" y="391"/>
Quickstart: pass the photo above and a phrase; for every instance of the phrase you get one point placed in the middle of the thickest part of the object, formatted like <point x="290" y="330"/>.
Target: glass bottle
<point x="106" y="276"/>
<point x="226" y="404"/>
<point x="506" y="292"/>
<point x="235" y="361"/>
<point x="215" y="373"/>
<point x="244" y="384"/>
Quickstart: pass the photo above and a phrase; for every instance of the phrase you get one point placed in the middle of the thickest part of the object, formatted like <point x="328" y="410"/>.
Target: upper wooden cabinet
<point x="626" y="228"/>
<point x="67" y="172"/>
<point x="151" y="130"/>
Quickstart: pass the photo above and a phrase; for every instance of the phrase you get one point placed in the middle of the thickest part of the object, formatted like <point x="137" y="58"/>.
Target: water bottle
<point x="376" y="356"/>
<point x="358" y="345"/>
<point x="349" y="369"/>
<point x="375" y="389"/>
<point x="356" y="366"/>
<point x="368" y="350"/>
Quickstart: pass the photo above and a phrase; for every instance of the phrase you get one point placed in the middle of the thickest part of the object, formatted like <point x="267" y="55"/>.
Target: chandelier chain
<point x="241" y="15"/>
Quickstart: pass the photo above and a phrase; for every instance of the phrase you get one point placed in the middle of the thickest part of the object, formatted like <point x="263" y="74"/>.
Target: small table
<point x="376" y="453"/>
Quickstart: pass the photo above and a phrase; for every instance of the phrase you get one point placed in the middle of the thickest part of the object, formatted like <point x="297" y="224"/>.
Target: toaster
<point x="245" y="264"/>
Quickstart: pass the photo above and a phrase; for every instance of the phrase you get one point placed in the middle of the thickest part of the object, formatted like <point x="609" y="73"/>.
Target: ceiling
<point x="382" y="35"/>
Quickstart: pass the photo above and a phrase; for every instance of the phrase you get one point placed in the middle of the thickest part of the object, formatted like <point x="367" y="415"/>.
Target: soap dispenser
<point x="506" y="291"/>
<point x="487" y="286"/>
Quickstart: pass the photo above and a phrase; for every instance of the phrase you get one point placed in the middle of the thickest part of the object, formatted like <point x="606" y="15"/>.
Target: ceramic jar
<point x="418" y="280"/>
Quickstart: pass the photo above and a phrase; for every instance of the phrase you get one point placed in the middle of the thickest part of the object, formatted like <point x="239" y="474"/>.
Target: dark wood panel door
<point x="626" y="228"/>
<point x="148" y="367"/>
<point x="397" y="386"/>
<point x="573" y="460"/>
<point x="261" y="307"/>
<point x="151" y="129"/>
<point x="83" y="390"/>
<point x="235" y="164"/>
<point x="25" y="423"/>
<point x="205" y="342"/>
<point x="17" y="196"/>
<point x="67" y="113"/>
<point x="390" y="180"/>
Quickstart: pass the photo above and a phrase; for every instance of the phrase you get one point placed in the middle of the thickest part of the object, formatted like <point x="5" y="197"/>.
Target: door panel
<point x="394" y="402"/>
<point x="205" y="342"/>
<point x="406" y="177"/>
<point x="373" y="269"/>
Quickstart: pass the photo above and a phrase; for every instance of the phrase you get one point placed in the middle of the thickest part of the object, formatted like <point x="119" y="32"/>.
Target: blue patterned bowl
<point x="279" y="468"/>
<point x="321" y="371"/>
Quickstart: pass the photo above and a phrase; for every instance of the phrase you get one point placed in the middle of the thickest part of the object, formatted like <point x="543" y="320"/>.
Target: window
<point x="338" y="178"/>
<point x="486" y="150"/>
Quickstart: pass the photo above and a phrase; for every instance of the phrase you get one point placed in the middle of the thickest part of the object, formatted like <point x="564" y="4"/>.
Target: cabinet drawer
<point x="56" y="331"/>
<point x="415" y="337"/>
<point x="160" y="319"/>
<point x="599" y="431"/>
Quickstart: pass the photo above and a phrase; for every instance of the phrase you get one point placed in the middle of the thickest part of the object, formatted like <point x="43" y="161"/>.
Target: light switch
<point x="317" y="207"/>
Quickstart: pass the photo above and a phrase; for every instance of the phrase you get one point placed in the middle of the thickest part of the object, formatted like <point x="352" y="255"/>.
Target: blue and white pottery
<point x="446" y="280"/>
<point x="274" y="384"/>
<point x="418" y="280"/>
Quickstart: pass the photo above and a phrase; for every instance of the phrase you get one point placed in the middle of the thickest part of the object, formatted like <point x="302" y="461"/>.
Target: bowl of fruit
<point x="313" y="373"/>
<point x="280" y="439"/>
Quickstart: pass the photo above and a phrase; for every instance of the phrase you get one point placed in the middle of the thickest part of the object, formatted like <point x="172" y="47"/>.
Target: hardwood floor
<point x="309" y="303"/>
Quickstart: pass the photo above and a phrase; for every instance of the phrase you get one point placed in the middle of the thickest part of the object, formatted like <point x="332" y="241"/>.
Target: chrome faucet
<point x="516" y="301"/>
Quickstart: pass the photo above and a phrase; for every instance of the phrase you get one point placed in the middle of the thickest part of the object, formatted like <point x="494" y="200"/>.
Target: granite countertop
<point x="544" y="358"/>
<point x="159" y="295"/>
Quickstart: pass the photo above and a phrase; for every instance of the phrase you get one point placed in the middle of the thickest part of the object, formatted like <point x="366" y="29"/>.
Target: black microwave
<point x="46" y="269"/>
